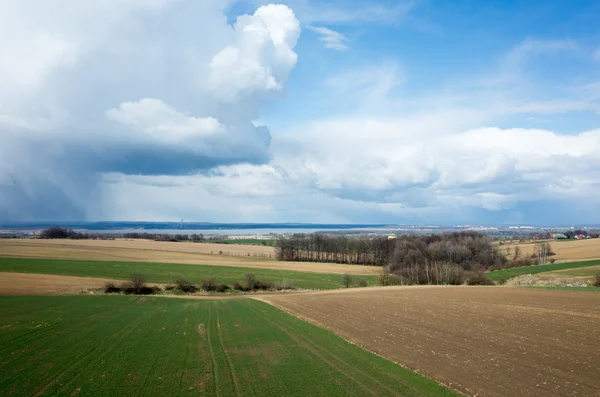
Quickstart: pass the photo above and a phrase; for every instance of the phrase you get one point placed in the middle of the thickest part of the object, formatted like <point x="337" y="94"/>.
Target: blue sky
<point x="417" y="111"/>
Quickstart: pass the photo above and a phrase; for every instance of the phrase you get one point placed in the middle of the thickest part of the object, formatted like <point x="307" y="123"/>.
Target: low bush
<point x="111" y="288"/>
<point x="237" y="286"/>
<point x="387" y="279"/>
<point x="477" y="278"/>
<point x="363" y="283"/>
<point x="137" y="282"/>
<point x="347" y="280"/>
<point x="222" y="288"/>
<point x="251" y="281"/>
<point x="209" y="284"/>
<point x="129" y="288"/>
<point x="186" y="286"/>
<point x="596" y="282"/>
<point x="283" y="285"/>
<point x="262" y="285"/>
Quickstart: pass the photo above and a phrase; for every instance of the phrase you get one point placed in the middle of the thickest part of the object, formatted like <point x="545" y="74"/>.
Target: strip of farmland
<point x="168" y="252"/>
<point x="142" y="346"/>
<point x="484" y="341"/>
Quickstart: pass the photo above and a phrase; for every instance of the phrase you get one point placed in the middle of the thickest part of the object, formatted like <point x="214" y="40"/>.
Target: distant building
<point x="579" y="236"/>
<point x="558" y="236"/>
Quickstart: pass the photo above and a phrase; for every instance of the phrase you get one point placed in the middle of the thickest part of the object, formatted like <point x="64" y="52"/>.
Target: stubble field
<point x="482" y="341"/>
<point x="131" y="346"/>
<point x="566" y="250"/>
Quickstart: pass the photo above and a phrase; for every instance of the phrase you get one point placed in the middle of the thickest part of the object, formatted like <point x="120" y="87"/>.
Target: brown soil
<point x="566" y="251"/>
<point x="44" y="284"/>
<point x="167" y="252"/>
<point x="484" y="341"/>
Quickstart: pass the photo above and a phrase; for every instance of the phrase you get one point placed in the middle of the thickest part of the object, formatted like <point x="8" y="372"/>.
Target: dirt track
<point x="484" y="341"/>
<point x="167" y="252"/>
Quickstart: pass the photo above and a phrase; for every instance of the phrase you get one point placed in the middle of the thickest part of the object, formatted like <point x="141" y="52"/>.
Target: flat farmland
<point x="142" y="346"/>
<point x="247" y="256"/>
<point x="566" y="250"/>
<point x="484" y="341"/>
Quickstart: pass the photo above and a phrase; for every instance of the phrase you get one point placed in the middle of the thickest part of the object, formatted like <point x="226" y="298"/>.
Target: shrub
<point x="111" y="288"/>
<point x="477" y="278"/>
<point x="251" y="281"/>
<point x="388" y="279"/>
<point x="284" y="285"/>
<point x="347" y="280"/>
<point x="239" y="286"/>
<point x="186" y="286"/>
<point x="262" y="285"/>
<point x="137" y="281"/>
<point x="222" y="288"/>
<point x="209" y="284"/>
<point x="363" y="283"/>
<point x="596" y="282"/>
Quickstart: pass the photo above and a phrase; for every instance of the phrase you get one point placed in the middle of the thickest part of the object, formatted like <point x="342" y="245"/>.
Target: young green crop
<point x="143" y="346"/>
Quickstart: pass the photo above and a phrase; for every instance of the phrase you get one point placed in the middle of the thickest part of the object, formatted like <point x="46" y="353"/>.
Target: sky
<point x="324" y="111"/>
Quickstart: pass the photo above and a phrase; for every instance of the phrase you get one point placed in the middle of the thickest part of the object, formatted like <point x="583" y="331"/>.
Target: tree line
<point x="452" y="258"/>
<point x="66" y="233"/>
<point x="374" y="251"/>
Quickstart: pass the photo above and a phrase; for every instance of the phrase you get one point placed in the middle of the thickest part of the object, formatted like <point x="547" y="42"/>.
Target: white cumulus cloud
<point x="260" y="59"/>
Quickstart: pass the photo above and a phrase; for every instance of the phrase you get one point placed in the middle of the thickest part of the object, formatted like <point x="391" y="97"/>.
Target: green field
<point x="168" y="272"/>
<point x="144" y="346"/>
<point x="508" y="273"/>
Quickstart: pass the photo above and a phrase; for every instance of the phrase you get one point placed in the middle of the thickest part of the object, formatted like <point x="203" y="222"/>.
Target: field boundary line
<point x="322" y="326"/>
<point x="320" y="354"/>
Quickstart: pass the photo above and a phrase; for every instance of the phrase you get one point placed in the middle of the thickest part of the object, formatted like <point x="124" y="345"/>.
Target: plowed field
<point x="484" y="341"/>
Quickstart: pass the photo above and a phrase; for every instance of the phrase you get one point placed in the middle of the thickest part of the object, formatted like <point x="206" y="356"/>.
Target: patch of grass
<point x="497" y="275"/>
<point x="168" y="272"/>
<point x="123" y="345"/>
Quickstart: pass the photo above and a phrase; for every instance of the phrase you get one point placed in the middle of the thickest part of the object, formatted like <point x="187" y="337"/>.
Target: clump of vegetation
<point x="136" y="285"/>
<point x="387" y="279"/>
<point x="363" y="283"/>
<point x="251" y="281"/>
<point x="209" y="284"/>
<point x="477" y="278"/>
<point x="596" y="282"/>
<point x="186" y="286"/>
<point x="111" y="288"/>
<point x="283" y="285"/>
<point x="347" y="280"/>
